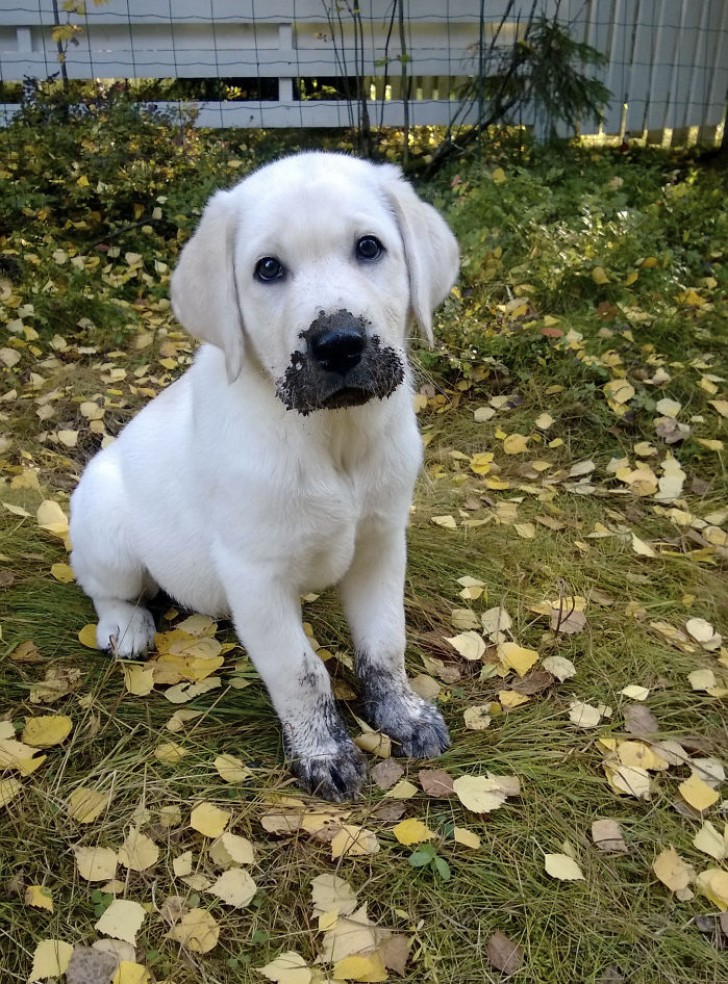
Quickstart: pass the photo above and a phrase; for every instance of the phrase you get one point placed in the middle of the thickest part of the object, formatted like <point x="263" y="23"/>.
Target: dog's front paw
<point x="125" y="630"/>
<point x="416" y="727"/>
<point x="337" y="777"/>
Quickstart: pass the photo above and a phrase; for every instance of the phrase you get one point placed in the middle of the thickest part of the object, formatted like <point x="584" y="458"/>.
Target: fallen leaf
<point x="479" y="794"/>
<point x="235" y="887"/>
<point x="209" y="819"/>
<point x="197" y="930"/>
<point x="672" y="871"/>
<point x="96" y="864"/>
<point x="361" y="967"/>
<point x="332" y="894"/>
<point x="468" y="644"/>
<point x="563" y="867"/>
<point x="86" y="805"/>
<point x="713" y="884"/>
<point x="710" y="841"/>
<point x="231" y="849"/>
<point x="607" y="836"/>
<point x="39" y="897"/>
<point x="352" y="841"/>
<point x="288" y="968"/>
<point x="412" y="831"/>
<point x="47" y="730"/>
<point x="122" y="920"/>
<point x="387" y="773"/>
<point x="698" y="794"/>
<point x="466" y="838"/>
<point x="50" y="959"/>
<point x="138" y="852"/>
<point x="436" y="783"/>
<point x="503" y="954"/>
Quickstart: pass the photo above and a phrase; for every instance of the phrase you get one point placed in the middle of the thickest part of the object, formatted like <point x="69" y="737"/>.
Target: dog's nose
<point x="338" y="349"/>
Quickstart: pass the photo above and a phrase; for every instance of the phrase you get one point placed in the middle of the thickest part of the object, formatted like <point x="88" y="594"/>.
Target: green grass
<point x="620" y="917"/>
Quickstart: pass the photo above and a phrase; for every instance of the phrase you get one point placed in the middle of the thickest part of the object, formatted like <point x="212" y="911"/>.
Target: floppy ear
<point x="204" y="291"/>
<point x="430" y="249"/>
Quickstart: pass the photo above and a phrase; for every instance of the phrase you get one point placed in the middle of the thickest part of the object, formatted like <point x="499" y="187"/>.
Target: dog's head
<point x="313" y="268"/>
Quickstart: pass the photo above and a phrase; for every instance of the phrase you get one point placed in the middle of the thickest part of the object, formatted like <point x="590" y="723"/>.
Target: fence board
<point x="667" y="59"/>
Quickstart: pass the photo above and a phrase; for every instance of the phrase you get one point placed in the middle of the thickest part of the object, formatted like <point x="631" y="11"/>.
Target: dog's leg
<point x="372" y="594"/>
<point x="107" y="569"/>
<point x="267" y="616"/>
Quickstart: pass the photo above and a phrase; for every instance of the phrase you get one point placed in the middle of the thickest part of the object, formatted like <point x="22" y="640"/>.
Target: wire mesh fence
<point x="363" y="63"/>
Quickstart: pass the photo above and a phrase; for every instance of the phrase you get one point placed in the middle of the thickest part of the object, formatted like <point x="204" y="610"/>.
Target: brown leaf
<point x="389" y="810"/>
<point x="387" y="773"/>
<point x="436" y="782"/>
<point x="26" y="652"/>
<point x="504" y="954"/>
<point x="7" y="578"/>
<point x="534" y="683"/>
<point x="607" y="836"/>
<point x="640" y="721"/>
<point x="394" y="952"/>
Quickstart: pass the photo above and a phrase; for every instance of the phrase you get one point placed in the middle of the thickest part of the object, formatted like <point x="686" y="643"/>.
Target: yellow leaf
<point x="197" y="930"/>
<point x="515" y="657"/>
<point x="713" y="884"/>
<point x="169" y="752"/>
<point x="698" y="793"/>
<point x="62" y="573"/>
<point x="721" y="406"/>
<point x="466" y="838"/>
<point x="122" y="920"/>
<point x="87" y="636"/>
<point x="39" y="897"/>
<point x="618" y="390"/>
<point x="352" y="841"/>
<point x="479" y="794"/>
<point x="86" y="805"/>
<point x="130" y="972"/>
<point x="138" y="677"/>
<point x="231" y="769"/>
<point x="50" y="959"/>
<point x="231" y="849"/>
<point x="499" y="176"/>
<point x="412" y="831"/>
<point x="447" y="522"/>
<point x="209" y="819"/>
<point x="710" y="841"/>
<point x="96" y="864"/>
<point x="138" y="852"/>
<point x="477" y="718"/>
<point x="235" y="887"/>
<point x="641" y="548"/>
<point x="544" y="421"/>
<point x="510" y="699"/>
<point x="288" y="968"/>
<point x="404" y="789"/>
<point x="469" y="644"/>
<point x="563" y="867"/>
<point x="47" y="730"/>
<point x="668" y="408"/>
<point x="481" y="463"/>
<point x="584" y="715"/>
<point x="83" y="181"/>
<point x="360" y="967"/>
<point x="515" y="444"/>
<point x="51" y="517"/>
<point x="672" y="871"/>
<point x="599" y="275"/>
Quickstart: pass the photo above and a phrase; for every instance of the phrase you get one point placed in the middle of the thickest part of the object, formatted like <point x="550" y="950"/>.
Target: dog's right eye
<point x="269" y="269"/>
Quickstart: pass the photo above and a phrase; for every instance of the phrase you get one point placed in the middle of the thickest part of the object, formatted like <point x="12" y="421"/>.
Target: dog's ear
<point x="204" y="291"/>
<point x="431" y="250"/>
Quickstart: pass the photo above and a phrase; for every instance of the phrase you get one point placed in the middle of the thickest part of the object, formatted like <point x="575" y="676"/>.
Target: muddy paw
<point x="337" y="777"/>
<point x="415" y="726"/>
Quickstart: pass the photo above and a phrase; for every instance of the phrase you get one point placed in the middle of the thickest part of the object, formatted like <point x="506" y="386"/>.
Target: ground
<point x="566" y="603"/>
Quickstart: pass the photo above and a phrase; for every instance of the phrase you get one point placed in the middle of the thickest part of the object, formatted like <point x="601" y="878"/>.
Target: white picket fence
<point x="667" y="59"/>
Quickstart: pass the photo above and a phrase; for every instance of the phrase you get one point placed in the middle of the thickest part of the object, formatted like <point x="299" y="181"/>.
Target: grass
<point x="620" y="922"/>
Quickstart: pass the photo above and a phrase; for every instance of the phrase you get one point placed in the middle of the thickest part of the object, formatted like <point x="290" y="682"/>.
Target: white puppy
<point x="284" y="459"/>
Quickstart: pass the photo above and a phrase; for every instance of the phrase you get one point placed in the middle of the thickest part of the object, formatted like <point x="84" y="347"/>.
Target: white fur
<point x="232" y="503"/>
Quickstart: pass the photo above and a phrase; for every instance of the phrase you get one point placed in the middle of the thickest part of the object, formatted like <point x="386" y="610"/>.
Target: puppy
<point x="284" y="459"/>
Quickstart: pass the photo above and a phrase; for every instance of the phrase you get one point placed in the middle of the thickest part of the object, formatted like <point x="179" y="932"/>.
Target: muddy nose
<point x="337" y="349"/>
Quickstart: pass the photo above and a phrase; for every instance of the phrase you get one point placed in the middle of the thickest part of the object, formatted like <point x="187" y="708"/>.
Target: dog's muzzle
<point x="342" y="366"/>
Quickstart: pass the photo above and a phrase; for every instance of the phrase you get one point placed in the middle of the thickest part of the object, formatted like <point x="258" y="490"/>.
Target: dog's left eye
<point x="269" y="269"/>
<point x="369" y="248"/>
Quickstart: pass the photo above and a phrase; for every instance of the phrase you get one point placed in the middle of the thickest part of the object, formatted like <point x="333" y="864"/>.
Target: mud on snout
<point x="341" y="364"/>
